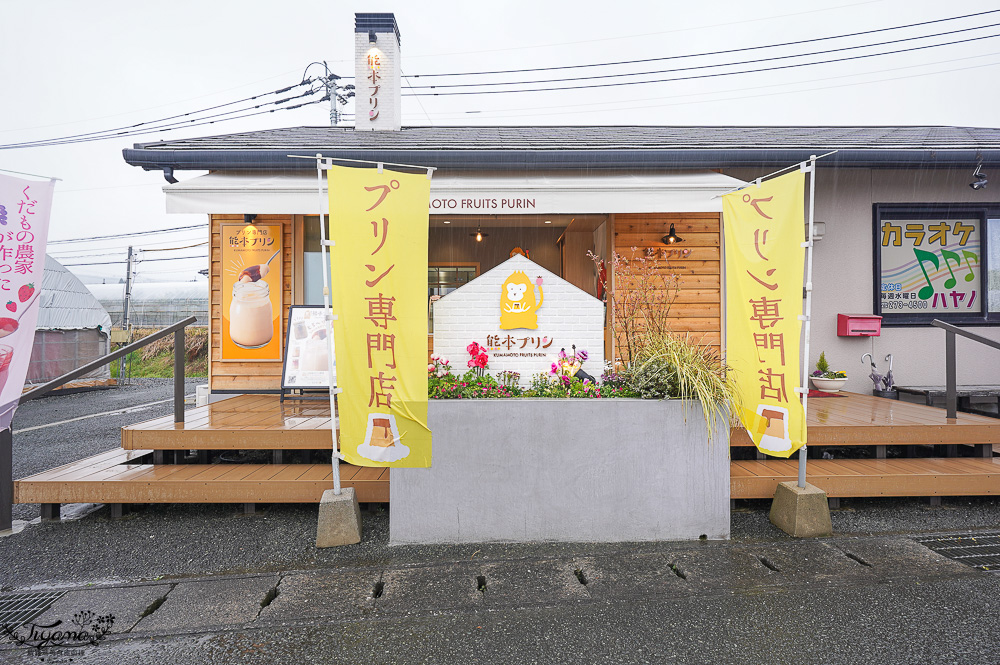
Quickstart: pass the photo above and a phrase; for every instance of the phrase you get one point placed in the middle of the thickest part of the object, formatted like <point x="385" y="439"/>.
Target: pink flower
<point x="471" y="363"/>
<point x="434" y="356"/>
<point x="482" y="360"/>
<point x="444" y="362"/>
<point x="430" y="368"/>
<point x="473" y="349"/>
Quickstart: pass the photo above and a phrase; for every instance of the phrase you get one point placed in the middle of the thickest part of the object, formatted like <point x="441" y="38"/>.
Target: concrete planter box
<point x="565" y="470"/>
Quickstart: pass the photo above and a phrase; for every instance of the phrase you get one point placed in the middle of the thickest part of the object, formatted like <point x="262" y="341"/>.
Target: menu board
<point x="307" y="349"/>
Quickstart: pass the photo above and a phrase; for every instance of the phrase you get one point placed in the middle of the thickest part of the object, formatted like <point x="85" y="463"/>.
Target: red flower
<point x="473" y="349"/>
<point x="482" y="360"/>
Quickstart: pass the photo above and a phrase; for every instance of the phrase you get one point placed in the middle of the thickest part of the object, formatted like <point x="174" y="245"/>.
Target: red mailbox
<point x="859" y="325"/>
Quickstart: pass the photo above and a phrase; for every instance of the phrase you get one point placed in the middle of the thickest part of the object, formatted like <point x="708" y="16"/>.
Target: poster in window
<point x="930" y="267"/>
<point x="307" y="349"/>
<point x="251" y="291"/>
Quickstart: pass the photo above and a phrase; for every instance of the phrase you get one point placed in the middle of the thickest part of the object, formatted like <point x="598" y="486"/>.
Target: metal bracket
<point x="329" y="243"/>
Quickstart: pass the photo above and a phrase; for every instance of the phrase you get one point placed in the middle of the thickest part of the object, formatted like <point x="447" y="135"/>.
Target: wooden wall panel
<point x="237" y="376"/>
<point x="697" y="309"/>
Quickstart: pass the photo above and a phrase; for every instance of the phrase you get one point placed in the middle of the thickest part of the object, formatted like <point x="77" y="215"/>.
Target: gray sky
<point x="72" y="67"/>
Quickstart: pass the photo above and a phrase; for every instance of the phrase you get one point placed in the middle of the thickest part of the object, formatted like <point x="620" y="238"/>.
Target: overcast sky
<point x="71" y="67"/>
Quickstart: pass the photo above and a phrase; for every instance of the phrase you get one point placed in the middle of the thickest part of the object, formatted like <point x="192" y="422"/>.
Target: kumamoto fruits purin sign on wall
<point x="379" y="227"/>
<point x="251" y="291"/>
<point x="24" y="228"/>
<point x="764" y="266"/>
<point x="930" y="266"/>
<point x="521" y="316"/>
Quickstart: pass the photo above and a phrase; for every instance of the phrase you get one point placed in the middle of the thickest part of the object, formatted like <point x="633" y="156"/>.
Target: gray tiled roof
<point x="596" y="138"/>
<point x="578" y="147"/>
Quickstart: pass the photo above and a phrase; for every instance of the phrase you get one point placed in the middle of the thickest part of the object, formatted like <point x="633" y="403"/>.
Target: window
<point x="442" y="279"/>
<point x="937" y="261"/>
<point x="312" y="262"/>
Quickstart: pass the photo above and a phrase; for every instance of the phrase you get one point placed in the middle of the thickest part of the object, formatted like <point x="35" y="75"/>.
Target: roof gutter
<point x="507" y="160"/>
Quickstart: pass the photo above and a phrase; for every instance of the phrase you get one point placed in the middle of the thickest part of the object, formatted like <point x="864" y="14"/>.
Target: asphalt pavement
<point x="193" y="584"/>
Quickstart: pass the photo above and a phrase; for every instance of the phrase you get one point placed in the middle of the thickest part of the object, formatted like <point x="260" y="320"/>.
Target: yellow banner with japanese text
<point x="764" y="231"/>
<point x="379" y="227"/>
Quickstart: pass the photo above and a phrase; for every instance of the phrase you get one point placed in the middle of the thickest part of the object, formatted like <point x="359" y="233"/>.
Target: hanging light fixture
<point x="980" y="177"/>
<point x="479" y="235"/>
<point x="671" y="238"/>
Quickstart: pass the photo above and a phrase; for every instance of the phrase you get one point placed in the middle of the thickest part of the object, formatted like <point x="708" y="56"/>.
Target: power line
<point x="109" y="263"/>
<point x="725" y="52"/>
<point x="172" y="117"/>
<point x="134" y="233"/>
<point x="194" y="122"/>
<point x="694" y="67"/>
<point x="702" y="76"/>
<point x="534" y="111"/>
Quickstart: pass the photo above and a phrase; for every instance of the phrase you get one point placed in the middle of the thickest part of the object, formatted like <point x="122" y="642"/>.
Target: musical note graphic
<point x="950" y="282"/>
<point x="975" y="257"/>
<point x="927" y="291"/>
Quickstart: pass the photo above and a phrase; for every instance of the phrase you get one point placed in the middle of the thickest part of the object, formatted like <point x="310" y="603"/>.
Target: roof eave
<point x="256" y="160"/>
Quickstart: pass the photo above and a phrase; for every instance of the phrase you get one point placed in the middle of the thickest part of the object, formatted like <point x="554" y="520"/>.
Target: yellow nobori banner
<point x="378" y="223"/>
<point x="764" y="265"/>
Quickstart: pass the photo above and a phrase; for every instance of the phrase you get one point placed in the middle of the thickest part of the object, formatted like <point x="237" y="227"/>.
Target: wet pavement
<point x="207" y="584"/>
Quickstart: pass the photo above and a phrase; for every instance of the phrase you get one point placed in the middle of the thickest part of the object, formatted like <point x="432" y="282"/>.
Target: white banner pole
<point x="328" y="318"/>
<point x="810" y="168"/>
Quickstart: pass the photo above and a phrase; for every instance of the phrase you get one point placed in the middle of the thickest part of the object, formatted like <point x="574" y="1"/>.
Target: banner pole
<point x="328" y="317"/>
<point x="808" y="244"/>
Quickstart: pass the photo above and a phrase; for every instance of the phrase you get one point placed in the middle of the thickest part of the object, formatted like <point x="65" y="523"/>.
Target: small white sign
<point x="523" y="315"/>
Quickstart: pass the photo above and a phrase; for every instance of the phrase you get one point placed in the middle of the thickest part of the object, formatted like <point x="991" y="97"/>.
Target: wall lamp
<point x="980" y="177"/>
<point x="371" y="37"/>
<point x="248" y="219"/>
<point x="671" y="238"/>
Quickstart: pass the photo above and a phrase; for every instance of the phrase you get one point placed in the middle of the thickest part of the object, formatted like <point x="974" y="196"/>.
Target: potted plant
<point x="825" y="379"/>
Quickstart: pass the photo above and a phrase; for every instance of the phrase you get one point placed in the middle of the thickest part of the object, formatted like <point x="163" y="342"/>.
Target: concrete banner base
<point x="339" y="519"/>
<point x="802" y="512"/>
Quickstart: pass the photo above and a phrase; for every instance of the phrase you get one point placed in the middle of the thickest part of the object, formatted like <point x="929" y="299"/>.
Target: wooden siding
<point x="697" y="309"/>
<point x="249" y="375"/>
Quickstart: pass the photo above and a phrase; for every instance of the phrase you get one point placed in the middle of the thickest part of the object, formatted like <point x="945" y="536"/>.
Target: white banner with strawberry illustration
<point x="24" y="228"/>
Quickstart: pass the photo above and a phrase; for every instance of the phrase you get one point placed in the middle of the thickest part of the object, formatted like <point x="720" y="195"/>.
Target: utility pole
<point x="128" y="298"/>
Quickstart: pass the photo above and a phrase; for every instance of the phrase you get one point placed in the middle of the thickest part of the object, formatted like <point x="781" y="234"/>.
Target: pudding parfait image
<point x="251" y="317"/>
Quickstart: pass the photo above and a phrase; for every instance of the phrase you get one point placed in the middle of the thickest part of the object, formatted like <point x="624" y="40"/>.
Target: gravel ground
<point x="190" y="540"/>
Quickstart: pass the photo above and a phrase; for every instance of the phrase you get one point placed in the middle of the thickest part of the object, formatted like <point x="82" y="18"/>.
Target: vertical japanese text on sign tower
<point x="379" y="226"/>
<point x="764" y="266"/>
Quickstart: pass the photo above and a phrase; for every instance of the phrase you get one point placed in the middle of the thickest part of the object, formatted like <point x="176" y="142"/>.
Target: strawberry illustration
<point x="11" y="306"/>
<point x="24" y="293"/>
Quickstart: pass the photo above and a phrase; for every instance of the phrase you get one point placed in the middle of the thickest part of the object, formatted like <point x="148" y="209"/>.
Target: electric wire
<point x="708" y="53"/>
<point x="631" y="103"/>
<point x="109" y="263"/>
<point x="172" y="117"/>
<point x="701" y="76"/>
<point x="713" y="66"/>
<point x="134" y="233"/>
<point x="194" y="122"/>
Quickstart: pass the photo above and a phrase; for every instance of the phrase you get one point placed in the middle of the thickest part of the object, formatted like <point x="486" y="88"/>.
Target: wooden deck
<point x="244" y="422"/>
<point x="114" y="477"/>
<point x="865" y="420"/>
<point x="263" y="422"/>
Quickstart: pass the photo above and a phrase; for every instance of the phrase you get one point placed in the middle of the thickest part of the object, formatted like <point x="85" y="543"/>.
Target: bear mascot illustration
<point x="518" y="308"/>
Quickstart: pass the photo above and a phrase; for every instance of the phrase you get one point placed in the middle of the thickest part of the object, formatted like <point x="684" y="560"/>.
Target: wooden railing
<point x="6" y="437"/>
<point x="951" y="381"/>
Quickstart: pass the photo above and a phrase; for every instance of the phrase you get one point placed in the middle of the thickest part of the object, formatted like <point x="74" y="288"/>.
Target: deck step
<point x="926" y="476"/>
<point x="106" y="478"/>
<point x="244" y="422"/>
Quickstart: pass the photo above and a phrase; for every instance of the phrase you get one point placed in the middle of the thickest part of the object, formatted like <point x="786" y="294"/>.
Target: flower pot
<point x="888" y="394"/>
<point x="828" y="385"/>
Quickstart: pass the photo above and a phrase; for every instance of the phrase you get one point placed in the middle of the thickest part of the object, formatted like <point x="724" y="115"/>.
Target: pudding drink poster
<point x="764" y="231"/>
<point x="251" y="291"/>
<point x="24" y="228"/>
<point x="379" y="224"/>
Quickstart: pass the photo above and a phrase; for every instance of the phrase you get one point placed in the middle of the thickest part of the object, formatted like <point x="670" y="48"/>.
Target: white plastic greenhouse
<point x="72" y="329"/>
<point x="155" y="304"/>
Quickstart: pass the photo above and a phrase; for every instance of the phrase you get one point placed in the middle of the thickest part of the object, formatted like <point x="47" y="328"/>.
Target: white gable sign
<point x="523" y="314"/>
